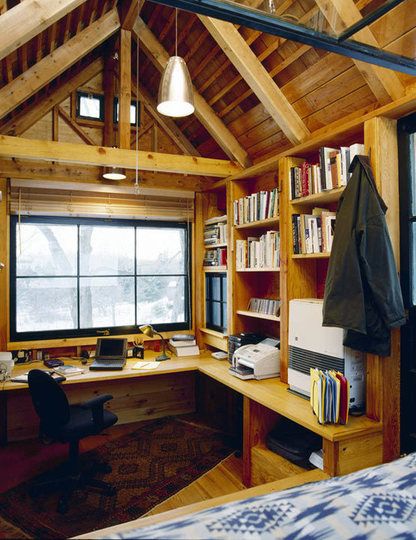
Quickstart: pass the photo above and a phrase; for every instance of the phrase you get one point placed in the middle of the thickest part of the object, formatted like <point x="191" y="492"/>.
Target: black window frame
<point x="135" y="102"/>
<point x="100" y="97"/>
<point x="209" y="301"/>
<point x="97" y="331"/>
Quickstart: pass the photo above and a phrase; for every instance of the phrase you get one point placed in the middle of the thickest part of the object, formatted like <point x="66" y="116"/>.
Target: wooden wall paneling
<point x="124" y="92"/>
<point x="383" y="373"/>
<point x="198" y="274"/>
<point x="134" y="400"/>
<point x="297" y="277"/>
<point x="74" y="126"/>
<point x="109" y="79"/>
<point x="230" y="259"/>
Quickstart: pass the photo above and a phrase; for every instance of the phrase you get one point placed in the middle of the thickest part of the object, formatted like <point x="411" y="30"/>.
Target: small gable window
<point x="90" y="106"/>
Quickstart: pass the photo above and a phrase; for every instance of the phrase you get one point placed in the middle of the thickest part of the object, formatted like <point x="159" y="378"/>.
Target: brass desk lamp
<point x="148" y="330"/>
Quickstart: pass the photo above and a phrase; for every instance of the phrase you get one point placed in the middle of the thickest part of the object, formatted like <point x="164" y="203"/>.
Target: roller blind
<point x="29" y="197"/>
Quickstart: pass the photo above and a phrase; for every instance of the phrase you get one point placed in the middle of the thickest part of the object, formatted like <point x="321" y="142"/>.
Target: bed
<point x="376" y="503"/>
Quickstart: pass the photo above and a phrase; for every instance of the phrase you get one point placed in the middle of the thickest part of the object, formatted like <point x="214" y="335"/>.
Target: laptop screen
<point x="111" y="347"/>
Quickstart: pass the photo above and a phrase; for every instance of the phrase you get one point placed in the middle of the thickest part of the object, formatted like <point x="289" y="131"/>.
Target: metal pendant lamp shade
<point x="114" y="173"/>
<point x="176" y="97"/>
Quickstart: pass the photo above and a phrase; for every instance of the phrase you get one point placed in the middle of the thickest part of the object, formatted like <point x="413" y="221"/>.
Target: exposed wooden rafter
<point x="30" y="115"/>
<point x="75" y="127"/>
<point x="24" y="21"/>
<point x="129" y="10"/>
<point x="255" y="75"/>
<point x="124" y="93"/>
<point x="384" y="83"/>
<point x="218" y="130"/>
<point x="19" y="148"/>
<point x="50" y="67"/>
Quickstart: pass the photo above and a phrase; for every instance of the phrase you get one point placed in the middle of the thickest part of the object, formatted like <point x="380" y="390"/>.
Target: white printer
<point x="259" y="361"/>
<point x="312" y="345"/>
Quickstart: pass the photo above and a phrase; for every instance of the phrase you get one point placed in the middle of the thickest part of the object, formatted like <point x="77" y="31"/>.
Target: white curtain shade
<point x="90" y="200"/>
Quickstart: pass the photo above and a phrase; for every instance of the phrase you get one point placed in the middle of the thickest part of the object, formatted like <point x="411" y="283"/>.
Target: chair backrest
<point x="49" y="400"/>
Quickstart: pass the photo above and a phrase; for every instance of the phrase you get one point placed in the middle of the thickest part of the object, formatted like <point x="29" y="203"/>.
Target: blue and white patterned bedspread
<point x="375" y="503"/>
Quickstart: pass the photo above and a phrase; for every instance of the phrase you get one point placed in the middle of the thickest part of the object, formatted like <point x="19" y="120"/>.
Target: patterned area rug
<point x="149" y="465"/>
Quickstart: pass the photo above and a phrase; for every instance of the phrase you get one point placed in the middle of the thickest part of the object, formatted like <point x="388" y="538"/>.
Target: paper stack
<point x="183" y="345"/>
<point x="329" y="396"/>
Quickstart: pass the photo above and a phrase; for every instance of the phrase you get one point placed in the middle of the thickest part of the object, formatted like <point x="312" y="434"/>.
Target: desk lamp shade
<point x="176" y="97"/>
<point x="149" y="331"/>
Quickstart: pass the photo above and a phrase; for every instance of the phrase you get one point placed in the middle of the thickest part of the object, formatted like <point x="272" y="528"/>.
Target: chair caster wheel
<point x="63" y="507"/>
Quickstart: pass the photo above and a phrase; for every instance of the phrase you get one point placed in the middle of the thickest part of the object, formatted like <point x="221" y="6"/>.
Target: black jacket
<point x="362" y="290"/>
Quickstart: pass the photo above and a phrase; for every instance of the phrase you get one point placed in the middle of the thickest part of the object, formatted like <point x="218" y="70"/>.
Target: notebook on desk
<point x="110" y="354"/>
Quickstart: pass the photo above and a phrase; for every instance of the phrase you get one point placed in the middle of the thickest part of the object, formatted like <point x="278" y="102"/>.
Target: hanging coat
<point x="362" y="289"/>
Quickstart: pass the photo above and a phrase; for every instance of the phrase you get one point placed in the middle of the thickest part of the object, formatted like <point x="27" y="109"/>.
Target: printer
<point x="258" y="361"/>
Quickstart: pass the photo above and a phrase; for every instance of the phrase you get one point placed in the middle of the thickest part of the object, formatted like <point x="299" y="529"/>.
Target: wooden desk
<point x="170" y="390"/>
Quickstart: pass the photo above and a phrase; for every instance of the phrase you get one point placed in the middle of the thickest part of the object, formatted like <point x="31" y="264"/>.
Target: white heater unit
<point x="312" y="345"/>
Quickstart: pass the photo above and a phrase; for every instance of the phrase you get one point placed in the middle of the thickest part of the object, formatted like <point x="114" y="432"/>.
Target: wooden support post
<point x="383" y="373"/>
<point x="4" y="241"/>
<point x="109" y="78"/>
<point x="124" y="94"/>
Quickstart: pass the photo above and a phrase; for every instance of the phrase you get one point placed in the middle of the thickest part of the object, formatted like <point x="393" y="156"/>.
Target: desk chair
<point x="61" y="422"/>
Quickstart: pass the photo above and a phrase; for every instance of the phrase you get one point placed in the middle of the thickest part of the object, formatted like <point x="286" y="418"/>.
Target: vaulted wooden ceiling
<point x="256" y="94"/>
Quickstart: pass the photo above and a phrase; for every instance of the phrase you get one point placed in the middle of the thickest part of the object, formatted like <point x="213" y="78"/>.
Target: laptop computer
<point x="110" y="353"/>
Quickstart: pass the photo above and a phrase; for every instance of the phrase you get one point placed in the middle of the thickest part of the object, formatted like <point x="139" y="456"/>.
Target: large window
<point x="73" y="277"/>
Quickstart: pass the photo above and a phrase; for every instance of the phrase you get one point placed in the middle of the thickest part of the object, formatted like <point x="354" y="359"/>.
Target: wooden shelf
<point x="332" y="195"/>
<point x="311" y="255"/>
<point x="258" y="224"/>
<point x="214" y="246"/>
<point x="256" y="315"/>
<point x="213" y="333"/>
<point x="215" y="269"/>
<point x="259" y="270"/>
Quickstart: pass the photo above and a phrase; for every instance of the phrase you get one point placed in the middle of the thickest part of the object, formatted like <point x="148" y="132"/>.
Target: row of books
<point x="260" y="252"/>
<point x="264" y="305"/>
<point x="313" y="233"/>
<point x="331" y="172"/>
<point x="215" y="233"/>
<point x="329" y="396"/>
<point x="215" y="257"/>
<point x="257" y="206"/>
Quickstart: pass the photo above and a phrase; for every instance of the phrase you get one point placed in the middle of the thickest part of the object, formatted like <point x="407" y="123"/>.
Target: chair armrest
<point x="96" y="405"/>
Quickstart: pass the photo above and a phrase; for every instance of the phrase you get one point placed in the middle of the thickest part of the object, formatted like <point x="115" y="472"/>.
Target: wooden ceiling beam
<point x="217" y="129"/>
<point x="75" y="127"/>
<point x="109" y="79"/>
<point x="50" y="67"/>
<point x="256" y="76"/>
<point x="384" y="83"/>
<point x="29" y="116"/>
<point x="60" y="152"/>
<point x="24" y="21"/>
<point x="128" y="11"/>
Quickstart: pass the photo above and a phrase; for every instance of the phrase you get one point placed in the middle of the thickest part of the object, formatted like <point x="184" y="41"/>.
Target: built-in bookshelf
<point x="215" y="242"/>
<point x="254" y="315"/>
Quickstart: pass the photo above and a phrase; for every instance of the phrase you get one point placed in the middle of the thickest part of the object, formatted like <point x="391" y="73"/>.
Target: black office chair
<point x="61" y="422"/>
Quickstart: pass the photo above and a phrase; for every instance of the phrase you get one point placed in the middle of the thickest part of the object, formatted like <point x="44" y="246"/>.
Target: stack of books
<point x="331" y="172"/>
<point x="215" y="257"/>
<point x="258" y="253"/>
<point x="183" y="345"/>
<point x="215" y="231"/>
<point x="313" y="233"/>
<point x="264" y="305"/>
<point x="329" y="396"/>
<point x="256" y="207"/>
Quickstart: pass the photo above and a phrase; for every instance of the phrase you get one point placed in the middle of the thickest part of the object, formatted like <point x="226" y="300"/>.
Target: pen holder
<point x="138" y="352"/>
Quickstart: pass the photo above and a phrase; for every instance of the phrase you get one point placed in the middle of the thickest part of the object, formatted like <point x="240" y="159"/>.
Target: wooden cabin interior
<point x="84" y="257"/>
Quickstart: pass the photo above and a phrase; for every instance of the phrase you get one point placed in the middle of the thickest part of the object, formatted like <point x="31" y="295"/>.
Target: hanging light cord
<point x="176" y="31"/>
<point x="136" y="182"/>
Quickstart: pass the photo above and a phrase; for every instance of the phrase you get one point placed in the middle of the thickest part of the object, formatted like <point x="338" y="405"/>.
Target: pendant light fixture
<point x="114" y="173"/>
<point x="176" y="98"/>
